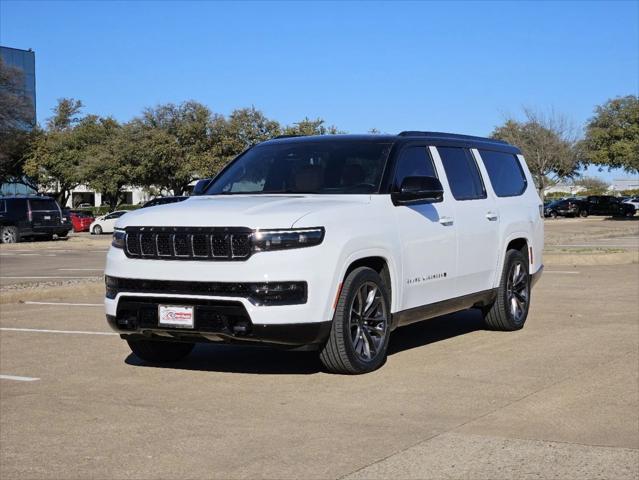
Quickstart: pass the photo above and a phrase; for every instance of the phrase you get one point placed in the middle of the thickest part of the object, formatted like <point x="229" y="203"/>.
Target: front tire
<point x="9" y="234"/>
<point x="358" y="341"/>
<point x="553" y="215"/>
<point x="160" y="351"/>
<point x="583" y="213"/>
<point x="510" y="309"/>
<point x="97" y="230"/>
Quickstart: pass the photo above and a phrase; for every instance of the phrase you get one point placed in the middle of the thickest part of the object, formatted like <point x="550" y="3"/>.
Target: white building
<point x="564" y="188"/>
<point x="621" y="184"/>
<point x="83" y="194"/>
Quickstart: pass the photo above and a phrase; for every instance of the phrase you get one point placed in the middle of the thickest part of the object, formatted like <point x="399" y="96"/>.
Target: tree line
<point x="168" y="146"/>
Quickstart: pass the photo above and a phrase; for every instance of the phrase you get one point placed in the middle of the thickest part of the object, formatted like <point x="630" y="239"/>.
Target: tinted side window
<point x="462" y="172"/>
<point x="2" y="206"/>
<point x="505" y="173"/>
<point x="414" y="162"/>
<point x="17" y="206"/>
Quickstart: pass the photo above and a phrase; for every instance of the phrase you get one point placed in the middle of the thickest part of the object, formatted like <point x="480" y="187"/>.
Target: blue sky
<point x="450" y="66"/>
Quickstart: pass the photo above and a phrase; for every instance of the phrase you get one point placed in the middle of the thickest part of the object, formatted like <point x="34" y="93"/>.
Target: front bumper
<point x="304" y="321"/>
<point x="215" y="321"/>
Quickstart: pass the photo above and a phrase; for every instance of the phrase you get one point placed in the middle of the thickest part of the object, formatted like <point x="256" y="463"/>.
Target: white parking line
<point x="18" y="379"/>
<point x="73" y="277"/>
<point x="66" y="304"/>
<point x="20" y="254"/>
<point x="566" y="272"/>
<point x="81" y="269"/>
<point x="79" y="332"/>
<point x="595" y="245"/>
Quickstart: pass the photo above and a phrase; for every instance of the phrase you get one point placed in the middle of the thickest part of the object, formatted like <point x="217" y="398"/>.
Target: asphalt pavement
<point x="558" y="399"/>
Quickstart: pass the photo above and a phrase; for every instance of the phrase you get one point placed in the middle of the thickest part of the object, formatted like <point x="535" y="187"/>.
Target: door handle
<point x="446" y="221"/>
<point x="491" y="216"/>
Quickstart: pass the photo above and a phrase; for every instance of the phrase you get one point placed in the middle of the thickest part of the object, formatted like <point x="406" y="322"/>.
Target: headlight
<point x="266" y="240"/>
<point x="119" y="238"/>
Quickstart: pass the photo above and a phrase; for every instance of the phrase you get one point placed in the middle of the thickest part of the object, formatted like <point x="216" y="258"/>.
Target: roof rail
<point x="456" y="136"/>
<point x="289" y="136"/>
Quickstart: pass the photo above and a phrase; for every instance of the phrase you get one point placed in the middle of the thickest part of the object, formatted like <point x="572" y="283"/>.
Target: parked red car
<point x="80" y="220"/>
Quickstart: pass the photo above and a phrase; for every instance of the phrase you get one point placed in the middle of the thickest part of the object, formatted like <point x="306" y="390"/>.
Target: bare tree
<point x="547" y="140"/>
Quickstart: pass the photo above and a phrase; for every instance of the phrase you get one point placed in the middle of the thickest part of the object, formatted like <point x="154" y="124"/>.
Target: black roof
<point x="29" y="196"/>
<point x="433" y="138"/>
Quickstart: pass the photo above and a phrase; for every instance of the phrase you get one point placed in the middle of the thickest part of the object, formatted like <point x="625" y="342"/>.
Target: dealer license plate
<point x="177" y="316"/>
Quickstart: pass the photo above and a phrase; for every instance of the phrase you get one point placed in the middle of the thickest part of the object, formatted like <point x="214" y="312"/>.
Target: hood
<point x="253" y="211"/>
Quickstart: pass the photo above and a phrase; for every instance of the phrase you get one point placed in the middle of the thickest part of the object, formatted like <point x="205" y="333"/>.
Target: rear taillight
<point x="30" y="215"/>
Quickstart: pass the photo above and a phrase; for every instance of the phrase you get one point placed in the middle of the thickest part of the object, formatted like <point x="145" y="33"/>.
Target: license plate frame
<point x="176" y="316"/>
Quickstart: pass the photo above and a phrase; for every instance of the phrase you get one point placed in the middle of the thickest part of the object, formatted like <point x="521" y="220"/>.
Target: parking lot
<point x="558" y="399"/>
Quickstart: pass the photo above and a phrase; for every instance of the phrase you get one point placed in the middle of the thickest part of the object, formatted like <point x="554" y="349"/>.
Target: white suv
<point x="331" y="243"/>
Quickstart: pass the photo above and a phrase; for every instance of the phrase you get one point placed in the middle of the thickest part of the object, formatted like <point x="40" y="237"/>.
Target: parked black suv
<point x="568" y="207"/>
<point x="31" y="216"/>
<point x="609" y="206"/>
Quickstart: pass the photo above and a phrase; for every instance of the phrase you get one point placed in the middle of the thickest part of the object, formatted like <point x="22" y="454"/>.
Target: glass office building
<point x="23" y="60"/>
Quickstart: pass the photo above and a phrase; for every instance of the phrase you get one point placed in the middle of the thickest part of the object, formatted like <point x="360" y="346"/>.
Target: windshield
<point x="341" y="167"/>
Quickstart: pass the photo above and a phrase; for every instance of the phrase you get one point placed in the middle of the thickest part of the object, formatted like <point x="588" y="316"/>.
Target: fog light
<point x="278" y="293"/>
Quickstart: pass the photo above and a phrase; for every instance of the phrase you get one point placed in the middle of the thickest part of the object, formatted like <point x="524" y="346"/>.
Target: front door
<point x="427" y="235"/>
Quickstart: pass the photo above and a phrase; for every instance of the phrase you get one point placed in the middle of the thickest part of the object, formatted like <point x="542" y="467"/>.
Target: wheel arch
<point x="518" y="241"/>
<point x="378" y="260"/>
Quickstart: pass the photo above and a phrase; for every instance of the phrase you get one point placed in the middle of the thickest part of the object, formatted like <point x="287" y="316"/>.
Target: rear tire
<point x="159" y="351"/>
<point x="510" y="309"/>
<point x="97" y="230"/>
<point x="358" y="341"/>
<point x="9" y="234"/>
<point x="553" y="215"/>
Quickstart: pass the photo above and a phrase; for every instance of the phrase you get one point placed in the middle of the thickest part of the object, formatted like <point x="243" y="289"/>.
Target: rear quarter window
<point x="505" y="173"/>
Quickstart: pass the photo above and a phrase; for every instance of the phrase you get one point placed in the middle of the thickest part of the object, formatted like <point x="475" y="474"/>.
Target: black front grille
<point x="188" y="243"/>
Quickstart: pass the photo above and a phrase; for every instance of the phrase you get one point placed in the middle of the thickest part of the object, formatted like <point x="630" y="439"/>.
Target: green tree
<point x="243" y="128"/>
<point x="548" y="143"/>
<point x="57" y="157"/>
<point x="66" y="114"/>
<point x="612" y="135"/>
<point x="311" y="127"/>
<point x="170" y="144"/>
<point x="106" y="166"/>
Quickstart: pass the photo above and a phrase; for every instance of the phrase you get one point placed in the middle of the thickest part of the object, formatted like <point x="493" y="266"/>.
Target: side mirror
<point x="200" y="186"/>
<point x="418" y="189"/>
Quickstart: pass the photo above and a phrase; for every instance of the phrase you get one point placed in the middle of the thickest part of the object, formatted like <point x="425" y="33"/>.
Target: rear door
<point x="18" y="214"/>
<point x="476" y="219"/>
<point x="44" y="212"/>
<point x="427" y="235"/>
